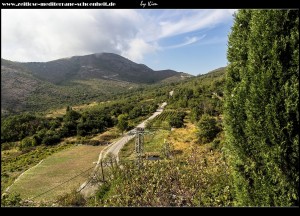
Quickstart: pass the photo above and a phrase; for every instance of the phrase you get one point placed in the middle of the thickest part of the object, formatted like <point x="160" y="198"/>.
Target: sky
<point x="193" y="41"/>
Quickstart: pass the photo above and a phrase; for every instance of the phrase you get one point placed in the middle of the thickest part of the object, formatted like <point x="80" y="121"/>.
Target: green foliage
<point x="94" y="121"/>
<point x="71" y="115"/>
<point x="176" y="120"/>
<point x="197" y="95"/>
<point x="28" y="142"/>
<point x="167" y="119"/>
<point x="103" y="190"/>
<point x="51" y="138"/>
<point x="122" y="122"/>
<point x="12" y="200"/>
<point x="14" y="128"/>
<point x="73" y="198"/>
<point x="261" y="109"/>
<point x="208" y="129"/>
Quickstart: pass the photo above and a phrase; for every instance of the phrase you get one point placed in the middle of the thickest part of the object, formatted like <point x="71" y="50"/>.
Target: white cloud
<point x="176" y="22"/>
<point x="196" y="21"/>
<point x="40" y="35"/>
<point x="188" y="41"/>
<point x="138" y="48"/>
<point x="43" y="35"/>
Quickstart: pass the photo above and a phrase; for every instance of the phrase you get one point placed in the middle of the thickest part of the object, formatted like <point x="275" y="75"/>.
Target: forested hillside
<point x="41" y="86"/>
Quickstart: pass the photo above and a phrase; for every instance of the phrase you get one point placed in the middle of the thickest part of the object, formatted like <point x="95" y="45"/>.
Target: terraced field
<point x="63" y="171"/>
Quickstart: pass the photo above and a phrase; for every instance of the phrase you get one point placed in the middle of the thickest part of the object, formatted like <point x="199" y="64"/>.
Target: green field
<point x="55" y="170"/>
<point x="153" y="143"/>
<point x="162" y="120"/>
<point x="14" y="162"/>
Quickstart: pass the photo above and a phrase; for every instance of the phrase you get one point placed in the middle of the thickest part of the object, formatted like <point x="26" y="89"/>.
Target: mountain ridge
<point x="99" y="66"/>
<point x="33" y="86"/>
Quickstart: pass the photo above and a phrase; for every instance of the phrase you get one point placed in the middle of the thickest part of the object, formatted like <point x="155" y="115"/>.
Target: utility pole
<point x="139" y="145"/>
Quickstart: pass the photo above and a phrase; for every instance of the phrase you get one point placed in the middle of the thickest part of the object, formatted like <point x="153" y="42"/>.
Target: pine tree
<point x="261" y="108"/>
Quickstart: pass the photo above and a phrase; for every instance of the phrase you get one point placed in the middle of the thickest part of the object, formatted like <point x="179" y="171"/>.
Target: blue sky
<point x="192" y="41"/>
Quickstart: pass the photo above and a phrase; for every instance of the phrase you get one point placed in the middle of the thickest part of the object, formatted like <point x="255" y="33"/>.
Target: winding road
<point x="87" y="188"/>
<point x="115" y="147"/>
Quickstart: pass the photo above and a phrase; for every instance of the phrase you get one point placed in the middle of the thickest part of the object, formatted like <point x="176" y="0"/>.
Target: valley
<point x="153" y="141"/>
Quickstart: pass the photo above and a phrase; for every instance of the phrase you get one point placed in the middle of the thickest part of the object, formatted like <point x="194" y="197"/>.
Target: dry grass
<point x="183" y="138"/>
<point x="154" y="142"/>
<point x="56" y="169"/>
<point x="127" y="152"/>
<point x="61" y="112"/>
<point x="111" y="135"/>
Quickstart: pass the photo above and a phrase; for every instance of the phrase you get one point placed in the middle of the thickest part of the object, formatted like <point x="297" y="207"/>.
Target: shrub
<point x="28" y="142"/>
<point x="11" y="199"/>
<point x="71" y="199"/>
<point x="208" y="129"/>
<point x="176" y="120"/>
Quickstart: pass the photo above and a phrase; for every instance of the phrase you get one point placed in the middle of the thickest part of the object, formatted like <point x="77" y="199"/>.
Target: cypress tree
<point x="261" y="107"/>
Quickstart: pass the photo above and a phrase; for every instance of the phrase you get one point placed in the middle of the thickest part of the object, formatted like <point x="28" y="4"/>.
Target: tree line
<point x="32" y="130"/>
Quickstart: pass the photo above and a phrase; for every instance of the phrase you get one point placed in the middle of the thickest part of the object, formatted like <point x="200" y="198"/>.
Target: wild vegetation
<point x="194" y="180"/>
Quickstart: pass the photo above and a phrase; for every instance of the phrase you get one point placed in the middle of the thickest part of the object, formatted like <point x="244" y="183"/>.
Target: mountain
<point x="37" y="86"/>
<point x="96" y="66"/>
<point x="17" y="83"/>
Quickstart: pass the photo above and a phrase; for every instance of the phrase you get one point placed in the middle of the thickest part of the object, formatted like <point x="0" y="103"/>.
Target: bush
<point x="91" y="142"/>
<point x="11" y="199"/>
<point x="215" y="144"/>
<point x="122" y="122"/>
<point x="51" y="138"/>
<point x="15" y="128"/>
<point x="208" y="129"/>
<point x="103" y="190"/>
<point x="176" y="120"/>
<point x="28" y="142"/>
<point x="71" y="199"/>
<point x="7" y="145"/>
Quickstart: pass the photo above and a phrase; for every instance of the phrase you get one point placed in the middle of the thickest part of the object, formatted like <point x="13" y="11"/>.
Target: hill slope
<point x="17" y="83"/>
<point x="38" y="86"/>
<point x="96" y="66"/>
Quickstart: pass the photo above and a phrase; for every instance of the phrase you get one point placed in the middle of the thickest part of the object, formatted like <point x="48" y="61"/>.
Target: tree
<point x="176" y="120"/>
<point x="71" y="116"/>
<point x="51" y="138"/>
<point x="208" y="129"/>
<point x="28" y="142"/>
<point x="14" y="128"/>
<point x="261" y="107"/>
<point x="122" y="122"/>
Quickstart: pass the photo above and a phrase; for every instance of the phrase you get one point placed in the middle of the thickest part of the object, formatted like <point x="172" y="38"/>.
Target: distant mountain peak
<point x="96" y="66"/>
